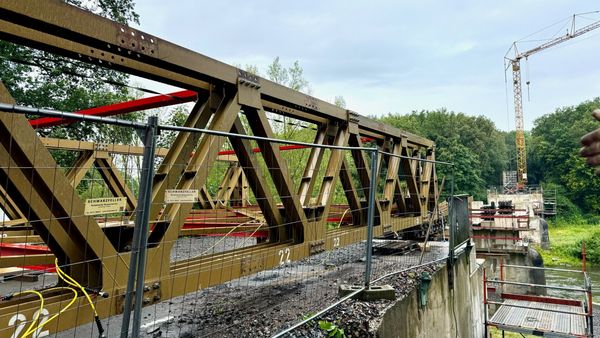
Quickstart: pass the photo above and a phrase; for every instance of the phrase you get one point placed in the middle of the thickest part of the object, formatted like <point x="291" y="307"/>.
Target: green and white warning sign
<point x="104" y="205"/>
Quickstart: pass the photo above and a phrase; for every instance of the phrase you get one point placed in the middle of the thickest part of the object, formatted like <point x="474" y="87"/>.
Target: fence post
<point x="451" y="221"/>
<point x="137" y="262"/>
<point x="371" y="217"/>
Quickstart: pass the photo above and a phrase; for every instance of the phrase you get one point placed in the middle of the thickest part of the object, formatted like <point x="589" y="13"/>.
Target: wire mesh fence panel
<point x="67" y="210"/>
<point x="245" y="218"/>
<point x="218" y="234"/>
<point x="266" y="238"/>
<point x="410" y="243"/>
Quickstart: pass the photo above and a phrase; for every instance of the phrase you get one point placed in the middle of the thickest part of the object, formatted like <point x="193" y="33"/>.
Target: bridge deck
<point x="528" y="320"/>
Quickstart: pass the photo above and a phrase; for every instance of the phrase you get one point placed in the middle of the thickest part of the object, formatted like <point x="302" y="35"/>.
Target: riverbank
<point x="566" y="237"/>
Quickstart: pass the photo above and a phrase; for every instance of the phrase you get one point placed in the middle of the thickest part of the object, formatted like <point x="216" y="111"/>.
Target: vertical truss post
<point x="371" y="217"/>
<point x="137" y="262"/>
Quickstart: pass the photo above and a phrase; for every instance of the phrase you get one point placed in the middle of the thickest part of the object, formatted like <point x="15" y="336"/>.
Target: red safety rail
<point x="121" y="108"/>
<point x="517" y="228"/>
<point x="506" y="238"/>
<point x="498" y="210"/>
<point x="542" y="299"/>
<point x="482" y="216"/>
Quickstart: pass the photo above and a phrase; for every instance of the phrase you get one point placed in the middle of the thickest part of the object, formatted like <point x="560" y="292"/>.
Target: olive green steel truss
<point x="33" y="182"/>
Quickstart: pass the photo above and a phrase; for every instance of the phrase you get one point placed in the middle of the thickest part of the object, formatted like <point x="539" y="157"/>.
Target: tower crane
<point x="515" y="64"/>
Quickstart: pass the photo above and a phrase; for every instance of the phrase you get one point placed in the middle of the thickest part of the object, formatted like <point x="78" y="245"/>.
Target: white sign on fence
<point x="104" y="205"/>
<point x="181" y="196"/>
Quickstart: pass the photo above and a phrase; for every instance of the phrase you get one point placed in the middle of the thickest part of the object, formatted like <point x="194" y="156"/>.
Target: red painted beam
<point x="18" y="249"/>
<point x="541" y="299"/>
<point x="121" y="108"/>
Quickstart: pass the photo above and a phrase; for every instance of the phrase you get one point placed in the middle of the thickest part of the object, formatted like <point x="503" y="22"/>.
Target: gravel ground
<point x="267" y="302"/>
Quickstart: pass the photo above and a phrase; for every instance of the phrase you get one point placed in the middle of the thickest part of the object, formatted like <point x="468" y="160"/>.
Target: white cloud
<point x="391" y="56"/>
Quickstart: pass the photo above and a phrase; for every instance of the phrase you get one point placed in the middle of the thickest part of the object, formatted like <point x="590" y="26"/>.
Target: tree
<point x="477" y="134"/>
<point x="44" y="80"/>
<point x="41" y="79"/>
<point x="466" y="171"/>
<point x="292" y="77"/>
<point x="339" y="101"/>
<point x="554" y="158"/>
<point x="277" y="73"/>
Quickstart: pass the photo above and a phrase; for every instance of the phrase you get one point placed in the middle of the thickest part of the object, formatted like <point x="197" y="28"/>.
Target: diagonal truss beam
<point x="257" y="182"/>
<point x="169" y="172"/>
<point x="194" y="176"/>
<point x="278" y="170"/>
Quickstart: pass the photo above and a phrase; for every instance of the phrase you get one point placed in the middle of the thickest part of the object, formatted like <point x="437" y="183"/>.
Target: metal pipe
<point x="371" y="218"/>
<point x="414" y="158"/>
<point x="141" y="223"/>
<point x="583" y="254"/>
<point x="485" y="303"/>
<point x="140" y="125"/>
<point x="258" y="138"/>
<point x="430" y="220"/>
<point x="538" y="285"/>
<point x="145" y="214"/>
<point x="11" y="108"/>
<point x="451" y="220"/>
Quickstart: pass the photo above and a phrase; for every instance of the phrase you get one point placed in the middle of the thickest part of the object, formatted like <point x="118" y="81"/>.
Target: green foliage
<point x="119" y="10"/>
<point x="43" y="80"/>
<point x="467" y="176"/>
<point x="473" y="143"/>
<point x="566" y="237"/>
<point x="173" y="117"/>
<point x="564" y="206"/>
<point x="292" y="76"/>
<point x="554" y="158"/>
<point x="340" y="102"/>
<point x="332" y="329"/>
<point x="592" y="248"/>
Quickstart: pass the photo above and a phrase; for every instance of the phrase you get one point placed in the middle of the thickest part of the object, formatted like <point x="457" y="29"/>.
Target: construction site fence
<point x="236" y="273"/>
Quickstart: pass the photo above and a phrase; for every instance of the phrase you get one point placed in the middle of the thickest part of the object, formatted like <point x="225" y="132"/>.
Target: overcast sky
<point x="397" y="56"/>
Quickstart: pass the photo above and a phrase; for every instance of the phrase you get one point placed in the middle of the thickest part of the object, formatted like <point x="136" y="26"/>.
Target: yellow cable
<point x="41" y="325"/>
<point x="38" y="312"/>
<point x="69" y="280"/>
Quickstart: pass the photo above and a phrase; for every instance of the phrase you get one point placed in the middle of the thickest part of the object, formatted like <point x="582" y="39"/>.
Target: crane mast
<point x="515" y="65"/>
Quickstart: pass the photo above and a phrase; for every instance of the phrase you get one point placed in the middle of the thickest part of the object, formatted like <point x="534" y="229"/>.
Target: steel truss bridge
<point x="44" y="206"/>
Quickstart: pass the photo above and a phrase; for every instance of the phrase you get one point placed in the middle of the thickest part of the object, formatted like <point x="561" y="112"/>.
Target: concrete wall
<point x="530" y="202"/>
<point x="448" y="313"/>
<point x="529" y="258"/>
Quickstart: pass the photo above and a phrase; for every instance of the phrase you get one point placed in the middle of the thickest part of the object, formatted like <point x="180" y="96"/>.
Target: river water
<point x="573" y="279"/>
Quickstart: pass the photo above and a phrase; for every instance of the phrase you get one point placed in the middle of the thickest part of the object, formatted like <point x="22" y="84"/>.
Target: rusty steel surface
<point x="290" y="217"/>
